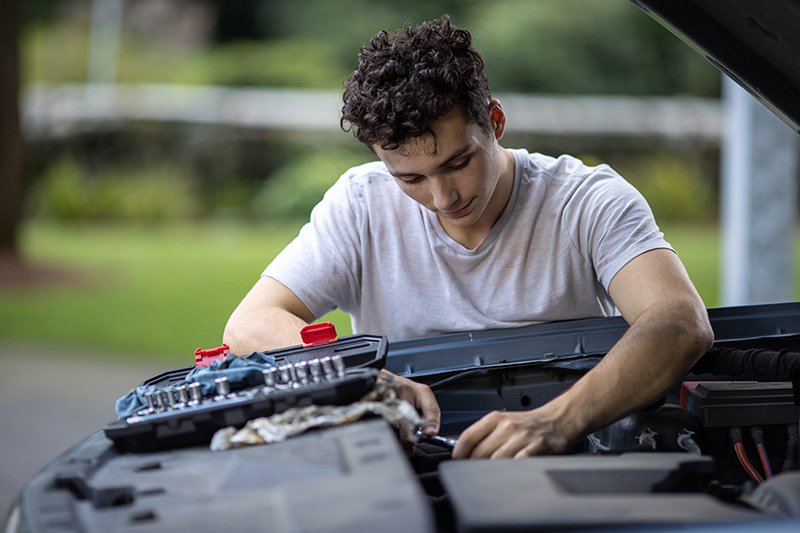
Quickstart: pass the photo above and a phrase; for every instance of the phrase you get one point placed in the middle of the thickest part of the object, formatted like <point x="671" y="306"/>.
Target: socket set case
<point x="334" y="373"/>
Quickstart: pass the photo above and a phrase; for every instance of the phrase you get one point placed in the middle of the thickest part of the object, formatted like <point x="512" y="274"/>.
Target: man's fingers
<point x="420" y="396"/>
<point x="473" y="436"/>
<point x="429" y="408"/>
<point x="505" y="435"/>
<point x="503" y="441"/>
<point x="516" y="445"/>
<point x="527" y="451"/>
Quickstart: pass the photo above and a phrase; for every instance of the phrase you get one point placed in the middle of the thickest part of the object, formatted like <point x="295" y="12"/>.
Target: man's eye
<point x="460" y="165"/>
<point x="411" y="181"/>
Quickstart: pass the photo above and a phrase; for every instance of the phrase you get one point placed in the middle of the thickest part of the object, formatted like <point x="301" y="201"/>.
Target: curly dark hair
<point x="406" y="80"/>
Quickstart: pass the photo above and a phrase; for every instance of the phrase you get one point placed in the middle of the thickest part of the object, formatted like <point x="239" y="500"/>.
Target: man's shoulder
<point x="567" y="184"/>
<point x="557" y="178"/>
<point x="365" y="188"/>
<point x="564" y="167"/>
<point x="373" y="171"/>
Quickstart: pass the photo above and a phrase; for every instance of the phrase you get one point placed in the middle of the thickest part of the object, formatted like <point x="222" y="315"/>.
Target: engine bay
<point x="721" y="449"/>
<point x="714" y="451"/>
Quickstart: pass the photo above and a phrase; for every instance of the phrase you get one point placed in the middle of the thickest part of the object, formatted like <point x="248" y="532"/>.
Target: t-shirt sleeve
<point x="611" y="223"/>
<point x="322" y="266"/>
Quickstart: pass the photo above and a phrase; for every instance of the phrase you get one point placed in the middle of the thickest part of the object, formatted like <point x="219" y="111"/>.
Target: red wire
<point x="762" y="454"/>
<point x="751" y="471"/>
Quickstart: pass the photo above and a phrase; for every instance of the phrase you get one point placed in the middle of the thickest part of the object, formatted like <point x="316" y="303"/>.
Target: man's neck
<point x="471" y="236"/>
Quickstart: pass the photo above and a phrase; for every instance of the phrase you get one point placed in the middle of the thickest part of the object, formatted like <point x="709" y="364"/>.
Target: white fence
<point x="64" y="109"/>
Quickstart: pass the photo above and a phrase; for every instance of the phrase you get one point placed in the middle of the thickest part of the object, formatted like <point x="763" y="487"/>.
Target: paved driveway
<point x="49" y="401"/>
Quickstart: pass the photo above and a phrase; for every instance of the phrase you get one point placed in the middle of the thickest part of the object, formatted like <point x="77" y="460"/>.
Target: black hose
<point x="773" y="365"/>
<point x="792" y="444"/>
<point x="457" y="378"/>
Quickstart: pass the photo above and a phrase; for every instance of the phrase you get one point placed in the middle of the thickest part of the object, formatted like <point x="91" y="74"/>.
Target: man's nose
<point x="443" y="192"/>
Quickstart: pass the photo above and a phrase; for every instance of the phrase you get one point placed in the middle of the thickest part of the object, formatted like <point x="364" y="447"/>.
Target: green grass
<point x="164" y="290"/>
<point x="160" y="291"/>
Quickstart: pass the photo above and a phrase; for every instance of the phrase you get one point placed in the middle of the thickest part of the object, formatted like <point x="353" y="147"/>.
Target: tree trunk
<point x="11" y="145"/>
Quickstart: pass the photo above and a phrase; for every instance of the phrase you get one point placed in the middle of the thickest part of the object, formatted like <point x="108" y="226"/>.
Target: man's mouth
<point x="459" y="212"/>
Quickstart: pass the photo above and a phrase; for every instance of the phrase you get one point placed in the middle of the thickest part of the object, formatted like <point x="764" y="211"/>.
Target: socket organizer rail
<point x="178" y="414"/>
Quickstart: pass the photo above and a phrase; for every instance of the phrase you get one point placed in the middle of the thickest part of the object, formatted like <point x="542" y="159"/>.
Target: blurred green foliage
<point x="55" y="52"/>
<point x="674" y="189"/>
<point x="542" y="46"/>
<point x="585" y="47"/>
<point x="58" y="54"/>
<point x="283" y="63"/>
<point x="145" y="194"/>
<point x="294" y="189"/>
<point x="553" y="46"/>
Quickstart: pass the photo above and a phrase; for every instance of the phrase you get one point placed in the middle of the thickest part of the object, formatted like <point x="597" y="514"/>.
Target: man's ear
<point x="498" y="118"/>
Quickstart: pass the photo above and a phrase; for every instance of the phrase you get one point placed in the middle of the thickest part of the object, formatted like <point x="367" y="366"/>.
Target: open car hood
<point x="755" y="43"/>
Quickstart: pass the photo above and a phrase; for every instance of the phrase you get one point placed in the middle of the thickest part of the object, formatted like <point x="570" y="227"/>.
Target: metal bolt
<point x="270" y="376"/>
<point x="195" y="393"/>
<point x="223" y="387"/>
<point x="301" y="372"/>
<point x="284" y="375"/>
<point x="338" y="365"/>
<point x="151" y="402"/>
<point x="171" y="402"/>
<point x="327" y="367"/>
<point x="183" y="395"/>
<point x="315" y="370"/>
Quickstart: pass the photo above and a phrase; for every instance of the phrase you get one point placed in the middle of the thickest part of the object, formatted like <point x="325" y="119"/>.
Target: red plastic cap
<point x="206" y="357"/>
<point x="318" y="334"/>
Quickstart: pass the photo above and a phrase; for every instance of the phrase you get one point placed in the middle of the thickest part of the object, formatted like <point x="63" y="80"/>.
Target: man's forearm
<point x="267" y="329"/>
<point x="270" y="316"/>
<point x="657" y="350"/>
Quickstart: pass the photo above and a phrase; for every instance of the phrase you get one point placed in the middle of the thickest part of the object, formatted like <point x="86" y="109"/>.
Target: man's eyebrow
<point x="402" y="174"/>
<point x="456" y="154"/>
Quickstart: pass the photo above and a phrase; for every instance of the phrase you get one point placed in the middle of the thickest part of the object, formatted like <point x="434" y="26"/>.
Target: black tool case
<point x="186" y="424"/>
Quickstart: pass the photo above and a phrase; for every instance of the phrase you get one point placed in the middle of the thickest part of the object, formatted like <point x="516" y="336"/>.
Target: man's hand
<point x="512" y="434"/>
<point x="420" y="396"/>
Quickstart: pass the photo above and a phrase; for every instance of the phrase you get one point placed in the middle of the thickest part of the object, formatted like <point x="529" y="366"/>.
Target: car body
<point x="670" y="466"/>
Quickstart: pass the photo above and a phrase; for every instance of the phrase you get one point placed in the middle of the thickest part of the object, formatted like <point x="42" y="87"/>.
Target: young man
<point x="450" y="231"/>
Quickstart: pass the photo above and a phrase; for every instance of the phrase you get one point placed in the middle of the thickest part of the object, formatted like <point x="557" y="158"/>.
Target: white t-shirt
<point x="375" y="253"/>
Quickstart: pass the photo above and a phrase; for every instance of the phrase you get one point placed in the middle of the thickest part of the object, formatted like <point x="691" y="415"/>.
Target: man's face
<point x="460" y="173"/>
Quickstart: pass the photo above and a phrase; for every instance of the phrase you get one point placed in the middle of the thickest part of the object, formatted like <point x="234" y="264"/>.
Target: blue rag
<point x="242" y="372"/>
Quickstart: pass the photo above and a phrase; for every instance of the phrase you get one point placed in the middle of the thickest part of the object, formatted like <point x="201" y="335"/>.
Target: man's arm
<point x="669" y="330"/>
<point x="271" y="316"/>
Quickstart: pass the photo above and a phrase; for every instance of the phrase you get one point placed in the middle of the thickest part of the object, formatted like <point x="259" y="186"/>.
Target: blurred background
<point x="170" y="148"/>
